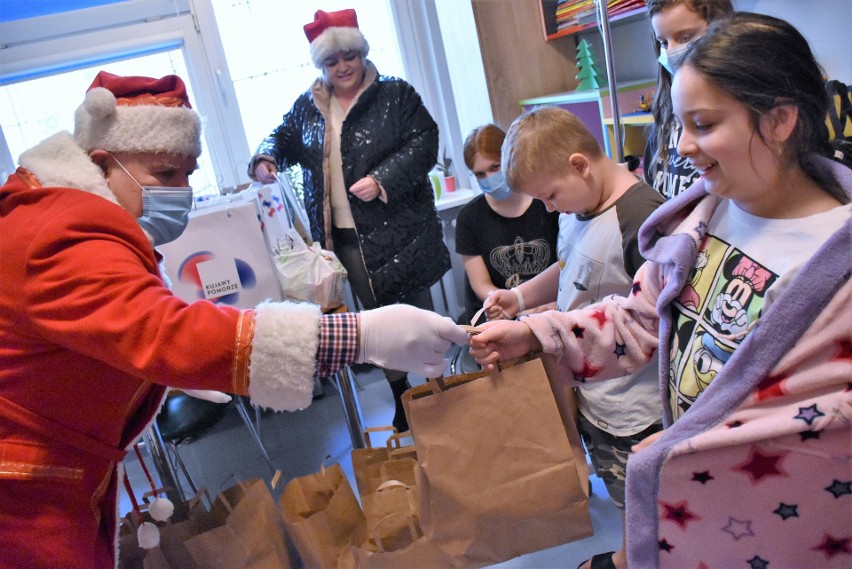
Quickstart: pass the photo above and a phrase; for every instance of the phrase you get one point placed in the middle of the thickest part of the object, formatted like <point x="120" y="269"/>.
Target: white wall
<point x="824" y="23"/>
<point x="464" y="59"/>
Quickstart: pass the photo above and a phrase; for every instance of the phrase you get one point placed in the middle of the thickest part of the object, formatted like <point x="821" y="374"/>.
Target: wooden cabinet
<point x="523" y="62"/>
<point x="594" y="108"/>
<point x="518" y="63"/>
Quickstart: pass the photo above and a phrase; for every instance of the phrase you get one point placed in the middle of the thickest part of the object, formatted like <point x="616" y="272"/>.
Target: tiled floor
<point x="299" y="442"/>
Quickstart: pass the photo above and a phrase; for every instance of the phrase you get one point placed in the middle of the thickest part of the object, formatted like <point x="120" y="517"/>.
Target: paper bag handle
<point x="394" y="441"/>
<point x="471" y="328"/>
<point x="392" y="484"/>
<point x="197" y="498"/>
<point x="439" y="384"/>
<point x="369" y="430"/>
<point x="409" y="517"/>
<point x="411" y="529"/>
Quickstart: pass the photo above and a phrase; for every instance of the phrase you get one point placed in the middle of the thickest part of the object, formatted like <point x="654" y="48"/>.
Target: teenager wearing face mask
<point x="504" y="237"/>
<point x="675" y="24"/>
<point x="91" y="338"/>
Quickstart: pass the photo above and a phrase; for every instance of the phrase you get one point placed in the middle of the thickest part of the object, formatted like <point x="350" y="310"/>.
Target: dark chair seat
<point x="184" y="417"/>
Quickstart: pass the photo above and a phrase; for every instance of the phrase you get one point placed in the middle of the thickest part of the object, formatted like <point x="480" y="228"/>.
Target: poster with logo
<point x="222" y="257"/>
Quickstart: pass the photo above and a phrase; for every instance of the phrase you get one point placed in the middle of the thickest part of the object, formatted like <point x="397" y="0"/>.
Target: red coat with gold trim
<point x="89" y="338"/>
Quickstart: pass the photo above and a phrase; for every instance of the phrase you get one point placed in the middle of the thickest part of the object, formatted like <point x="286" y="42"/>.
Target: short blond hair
<point x="540" y="141"/>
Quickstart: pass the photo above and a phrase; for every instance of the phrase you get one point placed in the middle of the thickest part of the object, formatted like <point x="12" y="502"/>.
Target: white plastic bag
<point x="309" y="272"/>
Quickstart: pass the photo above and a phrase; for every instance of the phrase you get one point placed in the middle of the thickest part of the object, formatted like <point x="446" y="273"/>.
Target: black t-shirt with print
<point x="514" y="249"/>
<point x="678" y="174"/>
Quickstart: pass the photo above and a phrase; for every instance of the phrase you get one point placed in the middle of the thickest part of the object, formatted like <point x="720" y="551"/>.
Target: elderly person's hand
<point x="366" y="189"/>
<point x="265" y="171"/>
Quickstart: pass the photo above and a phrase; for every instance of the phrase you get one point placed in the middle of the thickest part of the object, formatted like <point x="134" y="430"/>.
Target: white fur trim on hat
<point x="100" y="123"/>
<point x="283" y="355"/>
<point x="336" y="39"/>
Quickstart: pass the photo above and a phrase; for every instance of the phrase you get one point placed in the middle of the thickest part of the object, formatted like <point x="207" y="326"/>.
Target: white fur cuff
<point x="283" y="355"/>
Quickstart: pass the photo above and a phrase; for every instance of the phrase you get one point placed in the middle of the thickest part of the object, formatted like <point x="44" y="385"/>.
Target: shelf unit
<point x="548" y="20"/>
<point x="511" y="37"/>
<point x="594" y="108"/>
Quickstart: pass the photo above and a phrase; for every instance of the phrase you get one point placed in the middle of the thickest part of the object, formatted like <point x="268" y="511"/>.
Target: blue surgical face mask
<point x="495" y="186"/>
<point x="672" y="58"/>
<point x="165" y="210"/>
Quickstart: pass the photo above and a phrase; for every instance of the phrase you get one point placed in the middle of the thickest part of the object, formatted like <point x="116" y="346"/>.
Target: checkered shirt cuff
<point x="338" y="342"/>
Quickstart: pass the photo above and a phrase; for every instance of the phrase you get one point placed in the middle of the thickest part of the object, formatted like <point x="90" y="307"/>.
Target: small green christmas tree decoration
<point x="589" y="76"/>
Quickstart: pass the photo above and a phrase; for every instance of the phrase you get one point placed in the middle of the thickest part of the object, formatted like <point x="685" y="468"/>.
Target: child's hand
<point x="500" y="304"/>
<point x="500" y="341"/>
<point x="647" y="441"/>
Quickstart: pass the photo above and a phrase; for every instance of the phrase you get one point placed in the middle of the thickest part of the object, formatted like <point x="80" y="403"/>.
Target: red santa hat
<point x="331" y="32"/>
<point x="138" y="114"/>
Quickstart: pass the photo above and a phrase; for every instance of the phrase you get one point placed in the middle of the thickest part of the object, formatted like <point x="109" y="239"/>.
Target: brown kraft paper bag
<point x="374" y="545"/>
<point x="368" y="463"/>
<point x="250" y="533"/>
<point x="386" y="484"/>
<point x="501" y="471"/>
<point x="321" y="514"/>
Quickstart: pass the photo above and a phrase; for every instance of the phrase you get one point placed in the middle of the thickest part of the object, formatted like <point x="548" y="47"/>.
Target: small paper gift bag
<point x="251" y="535"/>
<point x="321" y="514"/>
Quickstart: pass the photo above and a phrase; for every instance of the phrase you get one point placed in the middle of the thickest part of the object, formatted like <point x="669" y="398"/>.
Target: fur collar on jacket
<point x="58" y="161"/>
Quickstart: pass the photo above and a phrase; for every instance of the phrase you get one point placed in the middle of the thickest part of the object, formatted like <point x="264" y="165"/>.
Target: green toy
<point x="589" y="77"/>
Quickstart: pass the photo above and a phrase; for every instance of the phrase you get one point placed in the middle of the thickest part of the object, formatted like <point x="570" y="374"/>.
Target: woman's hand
<point x="366" y="189"/>
<point x="266" y="172"/>
<point x="502" y="340"/>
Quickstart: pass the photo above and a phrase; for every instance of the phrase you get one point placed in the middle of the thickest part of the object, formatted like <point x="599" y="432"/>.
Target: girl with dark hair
<point x="746" y="292"/>
<point x="676" y="23"/>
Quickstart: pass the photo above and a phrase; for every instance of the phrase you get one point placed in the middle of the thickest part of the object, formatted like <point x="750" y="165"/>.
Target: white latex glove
<point x="407" y="338"/>
<point x="208" y="395"/>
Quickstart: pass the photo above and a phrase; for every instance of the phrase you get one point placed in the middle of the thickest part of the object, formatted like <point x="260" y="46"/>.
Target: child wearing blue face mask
<point x="675" y="24"/>
<point x="504" y="237"/>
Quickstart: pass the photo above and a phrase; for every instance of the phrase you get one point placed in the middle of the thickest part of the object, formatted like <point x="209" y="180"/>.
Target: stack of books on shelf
<point x="576" y="15"/>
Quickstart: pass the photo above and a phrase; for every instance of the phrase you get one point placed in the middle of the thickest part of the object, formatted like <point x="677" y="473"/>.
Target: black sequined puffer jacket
<point x="389" y="135"/>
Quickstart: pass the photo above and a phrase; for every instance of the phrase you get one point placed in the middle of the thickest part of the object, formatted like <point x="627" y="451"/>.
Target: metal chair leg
<point x="351" y="406"/>
<point x="163" y="464"/>
<point x="254" y="430"/>
<point x="175" y="454"/>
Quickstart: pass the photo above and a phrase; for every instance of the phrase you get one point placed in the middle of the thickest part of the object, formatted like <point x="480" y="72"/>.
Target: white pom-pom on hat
<point x="100" y="103"/>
